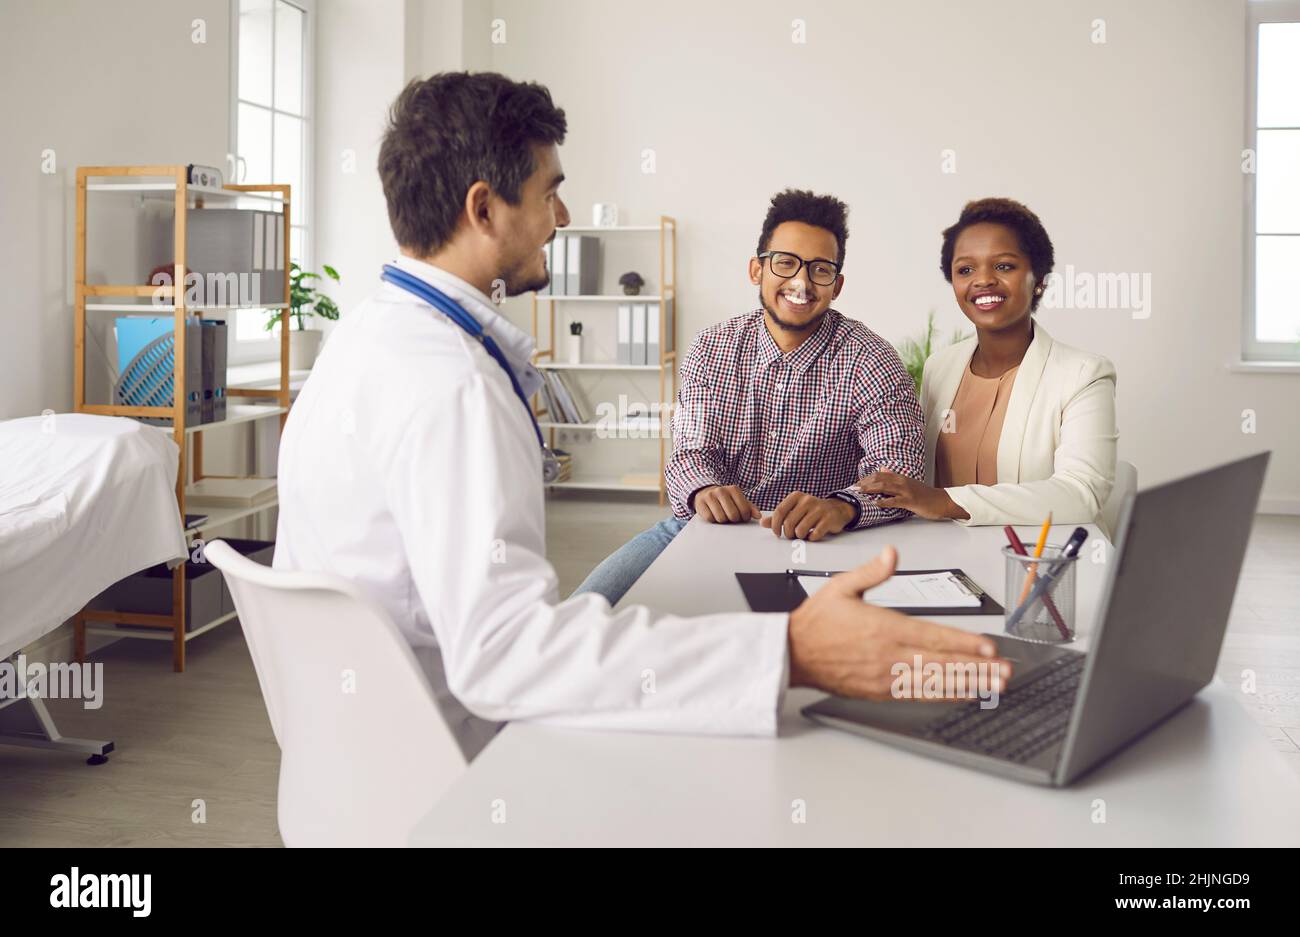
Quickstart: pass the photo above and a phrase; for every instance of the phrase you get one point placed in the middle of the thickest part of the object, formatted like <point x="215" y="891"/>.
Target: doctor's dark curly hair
<point x="1022" y="222"/>
<point x="820" y="211"/>
<point x="454" y="129"/>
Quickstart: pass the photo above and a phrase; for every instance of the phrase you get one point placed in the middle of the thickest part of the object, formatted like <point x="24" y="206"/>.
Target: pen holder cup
<point x="1034" y="612"/>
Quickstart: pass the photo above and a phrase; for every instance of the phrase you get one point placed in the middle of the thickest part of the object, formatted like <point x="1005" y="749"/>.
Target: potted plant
<point x="631" y="283"/>
<point x="305" y="300"/>
<point x="914" y="352"/>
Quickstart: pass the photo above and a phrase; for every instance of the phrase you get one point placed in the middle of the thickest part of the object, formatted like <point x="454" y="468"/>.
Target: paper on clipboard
<point x="910" y="590"/>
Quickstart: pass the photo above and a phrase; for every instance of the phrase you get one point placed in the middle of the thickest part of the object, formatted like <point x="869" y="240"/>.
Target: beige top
<point x="967" y="449"/>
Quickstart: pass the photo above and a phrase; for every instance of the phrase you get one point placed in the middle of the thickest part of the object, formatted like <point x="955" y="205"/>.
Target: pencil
<point x="1038" y="552"/>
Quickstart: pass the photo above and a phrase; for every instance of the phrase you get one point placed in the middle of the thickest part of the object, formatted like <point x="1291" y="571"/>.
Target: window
<point x="271" y="126"/>
<point x="1272" y="261"/>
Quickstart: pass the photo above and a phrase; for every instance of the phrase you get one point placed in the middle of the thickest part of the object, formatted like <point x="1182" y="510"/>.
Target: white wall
<point x="1129" y="151"/>
<point x="99" y="84"/>
<point x="366" y="52"/>
<point x="360" y="50"/>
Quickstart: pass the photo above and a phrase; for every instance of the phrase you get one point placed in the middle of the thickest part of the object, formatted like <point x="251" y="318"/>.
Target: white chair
<point x="365" y="752"/>
<point x="1126" y="482"/>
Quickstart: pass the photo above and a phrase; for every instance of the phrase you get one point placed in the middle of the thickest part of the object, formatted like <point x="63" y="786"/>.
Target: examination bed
<point x="84" y="502"/>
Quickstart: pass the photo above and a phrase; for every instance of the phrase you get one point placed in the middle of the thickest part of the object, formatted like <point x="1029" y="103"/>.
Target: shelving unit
<point x="184" y="198"/>
<point x="544" y="358"/>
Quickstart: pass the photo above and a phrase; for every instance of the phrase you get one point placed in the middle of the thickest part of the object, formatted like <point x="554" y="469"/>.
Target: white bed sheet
<point x="84" y="501"/>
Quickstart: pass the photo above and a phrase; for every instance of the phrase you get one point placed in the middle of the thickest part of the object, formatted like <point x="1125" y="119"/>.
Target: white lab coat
<point x="409" y="466"/>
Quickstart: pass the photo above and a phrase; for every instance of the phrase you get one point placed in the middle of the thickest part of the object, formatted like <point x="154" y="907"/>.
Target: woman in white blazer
<point x="1017" y="425"/>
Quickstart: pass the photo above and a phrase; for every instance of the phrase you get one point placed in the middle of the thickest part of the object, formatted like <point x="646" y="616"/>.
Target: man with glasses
<point x="784" y="408"/>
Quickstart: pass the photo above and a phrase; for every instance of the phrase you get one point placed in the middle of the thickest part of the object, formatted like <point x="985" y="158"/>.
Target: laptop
<point x="1164" y="609"/>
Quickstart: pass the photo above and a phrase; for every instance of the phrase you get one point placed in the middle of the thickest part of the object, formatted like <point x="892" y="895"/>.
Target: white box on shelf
<point x="652" y="355"/>
<point x="581" y="271"/>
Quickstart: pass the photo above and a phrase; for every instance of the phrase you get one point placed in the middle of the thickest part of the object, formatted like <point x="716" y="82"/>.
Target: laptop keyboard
<point x="1027" y="720"/>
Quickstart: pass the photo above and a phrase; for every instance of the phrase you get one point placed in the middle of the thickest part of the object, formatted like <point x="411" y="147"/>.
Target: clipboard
<point x="781" y="592"/>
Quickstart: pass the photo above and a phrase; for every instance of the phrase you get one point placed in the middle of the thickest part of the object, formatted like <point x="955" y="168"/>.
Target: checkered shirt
<point x="838" y="407"/>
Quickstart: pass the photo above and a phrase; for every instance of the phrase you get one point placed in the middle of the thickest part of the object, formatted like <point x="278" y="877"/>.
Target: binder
<point x="571" y="412"/>
<point x="652" y="334"/>
<point x="580" y="271"/>
<point x="193" y="374"/>
<point x="781" y="592"/>
<point x="581" y="403"/>
<point x="546" y="254"/>
<point x="624" y="333"/>
<point x="638" y="333"/>
<point x="206" y="354"/>
<point x="559" y="255"/>
<point x="553" y="414"/>
<point x="272" y="260"/>
<point x="220" y="348"/>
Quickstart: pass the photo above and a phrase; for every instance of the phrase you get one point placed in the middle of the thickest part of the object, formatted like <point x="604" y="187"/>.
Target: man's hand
<point x="843" y="645"/>
<point x="899" y="491"/>
<point x="724" y="504"/>
<point x="801" y="516"/>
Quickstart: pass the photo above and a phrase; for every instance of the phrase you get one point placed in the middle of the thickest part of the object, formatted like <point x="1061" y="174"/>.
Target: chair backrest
<point x="1126" y="482"/>
<point x="365" y="752"/>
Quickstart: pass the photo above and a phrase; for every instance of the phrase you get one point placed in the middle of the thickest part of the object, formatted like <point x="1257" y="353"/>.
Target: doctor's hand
<point x="724" y="504"/>
<point x="845" y="646"/>
<point x="899" y="491"/>
<point x="802" y="516"/>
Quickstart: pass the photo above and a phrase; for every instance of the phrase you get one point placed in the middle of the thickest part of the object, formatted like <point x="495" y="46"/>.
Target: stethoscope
<point x="456" y="313"/>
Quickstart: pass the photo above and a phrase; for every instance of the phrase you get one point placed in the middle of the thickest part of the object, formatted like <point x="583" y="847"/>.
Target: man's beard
<point x="520" y="281"/>
<point x="786" y="325"/>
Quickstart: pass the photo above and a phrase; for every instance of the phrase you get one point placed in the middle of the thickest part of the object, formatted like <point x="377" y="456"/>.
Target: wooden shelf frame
<point x="189" y="470"/>
<point x="667" y="366"/>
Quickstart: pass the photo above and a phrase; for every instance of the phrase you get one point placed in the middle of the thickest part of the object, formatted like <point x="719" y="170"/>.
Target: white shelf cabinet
<point x="666" y="367"/>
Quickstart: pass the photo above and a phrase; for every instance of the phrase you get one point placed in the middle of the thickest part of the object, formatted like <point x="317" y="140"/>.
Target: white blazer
<point x="1057" y="450"/>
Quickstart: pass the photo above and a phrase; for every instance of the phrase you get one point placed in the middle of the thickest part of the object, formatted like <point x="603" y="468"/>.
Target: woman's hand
<point x="899" y="491"/>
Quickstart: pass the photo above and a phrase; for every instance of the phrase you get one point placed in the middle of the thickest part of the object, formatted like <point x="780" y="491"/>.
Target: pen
<point x="1038" y="551"/>
<point x="1019" y="548"/>
<point x="1048" y="579"/>
<point x="811" y="572"/>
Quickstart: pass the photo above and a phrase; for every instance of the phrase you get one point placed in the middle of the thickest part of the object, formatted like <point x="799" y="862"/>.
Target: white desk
<point x="1205" y="777"/>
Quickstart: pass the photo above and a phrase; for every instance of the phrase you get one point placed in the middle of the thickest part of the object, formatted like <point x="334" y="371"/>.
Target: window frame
<point x="244" y="351"/>
<point x="1259" y="12"/>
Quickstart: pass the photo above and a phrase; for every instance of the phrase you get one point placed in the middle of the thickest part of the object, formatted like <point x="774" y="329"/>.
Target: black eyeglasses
<point x="786" y="265"/>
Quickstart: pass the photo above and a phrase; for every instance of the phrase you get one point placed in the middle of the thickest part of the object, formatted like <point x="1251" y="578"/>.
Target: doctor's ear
<point x="755" y="271"/>
<point x="478" y="206"/>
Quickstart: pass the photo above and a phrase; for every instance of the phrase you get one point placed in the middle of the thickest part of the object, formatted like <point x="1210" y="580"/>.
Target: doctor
<point x="411" y="464"/>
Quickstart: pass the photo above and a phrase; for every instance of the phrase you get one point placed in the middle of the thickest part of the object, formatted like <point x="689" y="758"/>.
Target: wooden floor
<point x="204" y="736"/>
